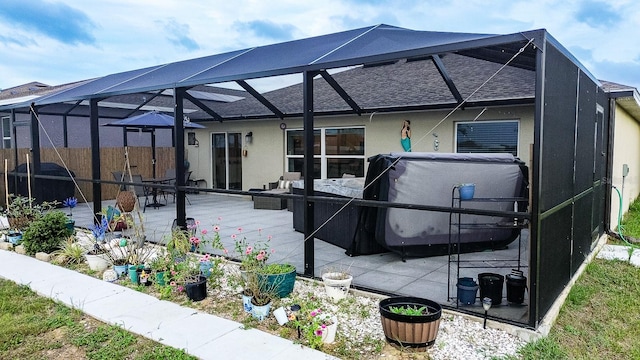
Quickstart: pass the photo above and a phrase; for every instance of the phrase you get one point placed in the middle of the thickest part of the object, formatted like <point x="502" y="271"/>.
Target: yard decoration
<point x="410" y="321"/>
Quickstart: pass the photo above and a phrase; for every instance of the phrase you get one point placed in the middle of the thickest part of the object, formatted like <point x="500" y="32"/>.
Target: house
<point x="521" y="93"/>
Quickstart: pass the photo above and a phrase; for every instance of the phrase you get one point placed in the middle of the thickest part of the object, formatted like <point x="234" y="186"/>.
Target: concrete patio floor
<point x="387" y="273"/>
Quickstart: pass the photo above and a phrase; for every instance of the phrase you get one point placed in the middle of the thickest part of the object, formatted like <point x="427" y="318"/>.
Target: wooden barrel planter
<point x="414" y="331"/>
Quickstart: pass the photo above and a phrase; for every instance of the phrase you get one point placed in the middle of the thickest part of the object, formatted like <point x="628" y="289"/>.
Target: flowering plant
<point x="98" y="230"/>
<point x="313" y="324"/>
<point x="188" y="267"/>
<point x="70" y="202"/>
<point x="252" y="256"/>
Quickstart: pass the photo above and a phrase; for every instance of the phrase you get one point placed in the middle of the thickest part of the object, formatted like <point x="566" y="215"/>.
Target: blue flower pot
<point x="467" y="290"/>
<point x="246" y="303"/>
<point x="205" y="269"/>
<point x="466" y="191"/>
<point x="14" y="238"/>
<point x="121" y="270"/>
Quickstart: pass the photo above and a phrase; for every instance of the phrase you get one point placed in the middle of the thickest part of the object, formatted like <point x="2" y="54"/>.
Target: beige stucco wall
<point x="626" y="150"/>
<point x="265" y="155"/>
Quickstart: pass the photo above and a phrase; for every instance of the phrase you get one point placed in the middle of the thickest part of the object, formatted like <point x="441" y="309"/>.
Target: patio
<point x="385" y="273"/>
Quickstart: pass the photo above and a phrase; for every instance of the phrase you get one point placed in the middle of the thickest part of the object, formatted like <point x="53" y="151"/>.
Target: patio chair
<point x="140" y="190"/>
<point x="187" y="175"/>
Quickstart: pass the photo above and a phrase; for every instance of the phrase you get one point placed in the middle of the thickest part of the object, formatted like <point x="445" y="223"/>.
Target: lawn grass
<point x="33" y="327"/>
<point x="601" y="317"/>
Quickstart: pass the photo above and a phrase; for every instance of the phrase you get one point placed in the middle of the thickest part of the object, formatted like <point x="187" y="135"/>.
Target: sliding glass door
<point x="226" y="157"/>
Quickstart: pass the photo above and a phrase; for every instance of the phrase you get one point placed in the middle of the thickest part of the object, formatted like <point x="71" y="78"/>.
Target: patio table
<point x="154" y="189"/>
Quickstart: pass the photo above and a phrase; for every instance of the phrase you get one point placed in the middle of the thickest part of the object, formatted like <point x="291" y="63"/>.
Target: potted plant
<point x="97" y="258"/>
<point x="70" y="202"/>
<point x="159" y="265"/>
<point x="336" y="283"/>
<point x="315" y="326"/>
<point x="260" y="305"/>
<point x="277" y="279"/>
<point x="410" y="321"/>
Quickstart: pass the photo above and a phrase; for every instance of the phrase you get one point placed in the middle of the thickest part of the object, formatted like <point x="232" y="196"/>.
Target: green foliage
<point x="23" y="210"/>
<point x="69" y="253"/>
<point x="46" y="234"/>
<point x="274" y="269"/>
<point x="409" y="310"/>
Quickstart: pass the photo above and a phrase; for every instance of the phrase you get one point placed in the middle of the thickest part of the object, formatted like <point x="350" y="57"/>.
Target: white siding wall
<point x="626" y="150"/>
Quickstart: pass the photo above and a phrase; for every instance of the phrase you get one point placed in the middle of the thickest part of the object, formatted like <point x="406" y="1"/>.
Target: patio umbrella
<point x="150" y="121"/>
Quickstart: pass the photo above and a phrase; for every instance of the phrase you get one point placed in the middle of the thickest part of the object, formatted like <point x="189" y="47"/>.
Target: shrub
<point x="46" y="234"/>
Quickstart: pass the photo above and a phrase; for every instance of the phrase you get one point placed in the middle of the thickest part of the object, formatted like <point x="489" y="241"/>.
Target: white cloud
<point x="130" y="35"/>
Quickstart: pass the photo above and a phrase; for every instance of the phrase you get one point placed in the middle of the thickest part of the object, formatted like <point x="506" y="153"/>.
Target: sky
<point x="62" y="41"/>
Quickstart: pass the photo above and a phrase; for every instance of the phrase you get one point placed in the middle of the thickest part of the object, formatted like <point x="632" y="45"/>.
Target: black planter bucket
<point x="491" y="287"/>
<point x="415" y="331"/>
<point x="197" y="291"/>
<point x="516" y="285"/>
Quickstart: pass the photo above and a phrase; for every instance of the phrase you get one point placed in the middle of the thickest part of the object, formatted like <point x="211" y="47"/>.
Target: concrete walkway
<point x="203" y="335"/>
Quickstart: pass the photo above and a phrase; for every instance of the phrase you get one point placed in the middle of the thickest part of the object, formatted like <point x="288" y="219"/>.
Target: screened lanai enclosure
<point x="565" y="210"/>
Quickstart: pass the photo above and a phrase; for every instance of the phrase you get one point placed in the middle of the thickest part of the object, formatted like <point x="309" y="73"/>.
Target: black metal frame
<point x="563" y="94"/>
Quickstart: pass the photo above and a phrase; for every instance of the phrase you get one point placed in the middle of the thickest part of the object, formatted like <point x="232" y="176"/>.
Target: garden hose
<point x="620" y="227"/>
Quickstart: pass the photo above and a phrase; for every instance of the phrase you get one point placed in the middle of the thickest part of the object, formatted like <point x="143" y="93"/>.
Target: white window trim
<point x="323" y="156"/>
<point x="2" y="128"/>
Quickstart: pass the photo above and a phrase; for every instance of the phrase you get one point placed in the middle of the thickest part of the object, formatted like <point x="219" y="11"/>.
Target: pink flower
<point x="173" y="283"/>
<point x="173" y="272"/>
<point x="204" y="231"/>
<point x="234" y="236"/>
<point x="239" y="229"/>
<point x="180" y="288"/>
<point x="273" y="251"/>
<point x="205" y="258"/>
<point x="219" y="218"/>
<point x="194" y="240"/>
<point x="248" y="250"/>
<point x="319" y="332"/>
<point x="216" y="228"/>
<point x="197" y="222"/>
<point x="263" y="253"/>
<point x="225" y="251"/>
<point x="260" y="257"/>
<point x="269" y="237"/>
<point x="313" y="313"/>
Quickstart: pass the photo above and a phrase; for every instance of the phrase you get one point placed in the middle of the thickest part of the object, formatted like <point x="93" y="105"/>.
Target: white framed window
<point x="337" y="151"/>
<point x="499" y="136"/>
<point x="6" y="132"/>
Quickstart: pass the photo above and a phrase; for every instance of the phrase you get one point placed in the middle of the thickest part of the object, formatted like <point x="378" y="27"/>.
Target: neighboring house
<point x="521" y="93"/>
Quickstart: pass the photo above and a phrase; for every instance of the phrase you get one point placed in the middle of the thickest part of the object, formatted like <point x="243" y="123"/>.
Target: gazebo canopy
<point x="370" y="45"/>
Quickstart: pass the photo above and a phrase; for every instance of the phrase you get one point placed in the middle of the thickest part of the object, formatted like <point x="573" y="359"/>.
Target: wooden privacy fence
<point x="78" y="160"/>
